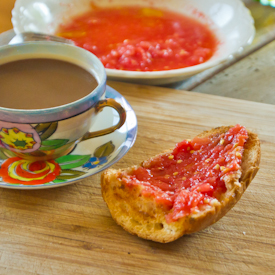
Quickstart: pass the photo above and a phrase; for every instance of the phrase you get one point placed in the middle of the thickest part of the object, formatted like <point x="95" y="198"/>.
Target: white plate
<point x="229" y="19"/>
<point x="88" y="158"/>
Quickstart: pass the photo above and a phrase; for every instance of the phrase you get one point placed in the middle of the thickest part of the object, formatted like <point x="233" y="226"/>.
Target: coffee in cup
<point x="50" y="96"/>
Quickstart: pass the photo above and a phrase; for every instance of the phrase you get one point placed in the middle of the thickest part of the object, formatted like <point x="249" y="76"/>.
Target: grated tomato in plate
<point x="141" y="39"/>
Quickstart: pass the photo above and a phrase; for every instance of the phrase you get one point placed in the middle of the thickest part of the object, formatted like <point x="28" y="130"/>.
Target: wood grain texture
<point x="5" y="14"/>
<point x="69" y="230"/>
<point x="251" y="79"/>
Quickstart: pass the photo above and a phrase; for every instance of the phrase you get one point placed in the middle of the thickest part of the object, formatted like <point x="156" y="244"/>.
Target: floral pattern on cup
<point x="32" y="139"/>
<point x="20" y="138"/>
<point x="16" y="170"/>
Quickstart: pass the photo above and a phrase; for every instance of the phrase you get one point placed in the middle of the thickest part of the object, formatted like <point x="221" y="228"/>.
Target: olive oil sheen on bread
<point x="43" y="83"/>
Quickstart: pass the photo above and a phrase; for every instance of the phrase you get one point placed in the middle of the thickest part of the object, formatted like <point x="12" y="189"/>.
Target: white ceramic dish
<point x="229" y="19"/>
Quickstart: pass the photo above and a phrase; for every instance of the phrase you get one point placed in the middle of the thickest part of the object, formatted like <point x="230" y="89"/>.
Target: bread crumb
<point x="238" y="154"/>
<point x="214" y="202"/>
<point x="244" y="233"/>
<point x="237" y="183"/>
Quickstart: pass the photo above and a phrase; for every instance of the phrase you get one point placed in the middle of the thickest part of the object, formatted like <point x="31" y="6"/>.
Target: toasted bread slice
<point x="143" y="216"/>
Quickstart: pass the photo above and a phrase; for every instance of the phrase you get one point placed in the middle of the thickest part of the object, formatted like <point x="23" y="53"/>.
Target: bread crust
<point x="141" y="216"/>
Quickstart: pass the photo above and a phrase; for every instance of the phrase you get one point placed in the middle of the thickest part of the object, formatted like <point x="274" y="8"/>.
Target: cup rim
<point x="61" y="111"/>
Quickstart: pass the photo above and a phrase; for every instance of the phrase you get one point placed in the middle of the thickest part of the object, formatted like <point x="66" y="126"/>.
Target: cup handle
<point x="108" y="102"/>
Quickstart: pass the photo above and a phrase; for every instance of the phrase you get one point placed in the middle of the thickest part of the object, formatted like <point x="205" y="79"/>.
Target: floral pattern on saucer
<point x="21" y="171"/>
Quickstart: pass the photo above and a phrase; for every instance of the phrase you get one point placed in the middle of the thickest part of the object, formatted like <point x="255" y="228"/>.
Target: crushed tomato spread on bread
<point x="194" y="174"/>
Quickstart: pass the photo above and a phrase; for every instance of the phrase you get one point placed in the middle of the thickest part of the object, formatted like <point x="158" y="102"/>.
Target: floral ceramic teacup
<point x="44" y="134"/>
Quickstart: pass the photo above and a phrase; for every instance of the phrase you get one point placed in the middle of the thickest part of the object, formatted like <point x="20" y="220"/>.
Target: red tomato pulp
<point x="141" y="39"/>
<point x="193" y="175"/>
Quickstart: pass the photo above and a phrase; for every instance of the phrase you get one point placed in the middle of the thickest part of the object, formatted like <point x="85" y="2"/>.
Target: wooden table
<point x="69" y="230"/>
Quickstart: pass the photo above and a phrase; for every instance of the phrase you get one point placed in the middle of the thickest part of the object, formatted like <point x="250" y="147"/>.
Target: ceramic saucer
<point x="5" y="37"/>
<point x="88" y="157"/>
